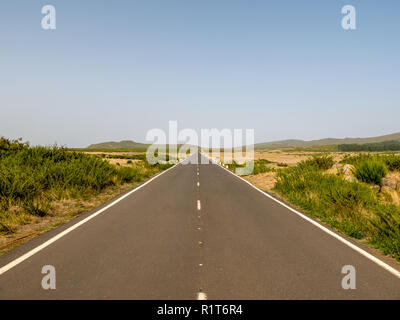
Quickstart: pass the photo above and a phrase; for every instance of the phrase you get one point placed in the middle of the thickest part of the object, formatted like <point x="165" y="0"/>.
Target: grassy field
<point x="358" y="207"/>
<point x="45" y="186"/>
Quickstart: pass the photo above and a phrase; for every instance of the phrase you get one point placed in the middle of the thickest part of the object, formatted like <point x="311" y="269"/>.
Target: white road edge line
<point x="198" y="205"/>
<point x="32" y="252"/>
<point x="323" y="228"/>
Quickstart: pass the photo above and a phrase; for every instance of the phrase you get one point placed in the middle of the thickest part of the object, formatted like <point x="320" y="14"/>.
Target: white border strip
<point x="323" y="228"/>
<point x="29" y="254"/>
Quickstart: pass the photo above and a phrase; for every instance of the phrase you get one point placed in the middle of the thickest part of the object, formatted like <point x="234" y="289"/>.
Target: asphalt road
<point x="195" y="231"/>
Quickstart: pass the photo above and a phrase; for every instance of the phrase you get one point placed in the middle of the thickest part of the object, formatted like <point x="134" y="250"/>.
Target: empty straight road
<point x="196" y="231"/>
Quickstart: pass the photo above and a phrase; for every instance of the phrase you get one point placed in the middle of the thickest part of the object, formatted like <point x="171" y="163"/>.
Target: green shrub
<point x="30" y="172"/>
<point x="7" y="145"/>
<point x="356" y="160"/>
<point x="232" y="166"/>
<point x="371" y="171"/>
<point x="32" y="177"/>
<point x="352" y="208"/>
<point x="319" y="162"/>
<point x="392" y="161"/>
<point x="386" y="234"/>
<point x="261" y="166"/>
<point x="128" y="174"/>
<point x="327" y="197"/>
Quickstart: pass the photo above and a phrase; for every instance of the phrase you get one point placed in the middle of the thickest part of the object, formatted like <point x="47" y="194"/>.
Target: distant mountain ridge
<point x="125" y="144"/>
<point x="292" y="143"/>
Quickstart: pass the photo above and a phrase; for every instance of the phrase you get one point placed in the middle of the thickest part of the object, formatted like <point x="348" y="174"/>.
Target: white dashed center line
<point x="198" y="205"/>
<point x="201" y="296"/>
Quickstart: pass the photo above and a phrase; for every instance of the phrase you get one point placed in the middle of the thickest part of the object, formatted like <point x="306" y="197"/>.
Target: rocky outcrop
<point x="346" y="169"/>
<point x="350" y="178"/>
<point x="336" y="169"/>
<point x="389" y="183"/>
<point x="393" y="194"/>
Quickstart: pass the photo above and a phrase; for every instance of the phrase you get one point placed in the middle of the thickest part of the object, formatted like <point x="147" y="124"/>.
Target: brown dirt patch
<point x="264" y="181"/>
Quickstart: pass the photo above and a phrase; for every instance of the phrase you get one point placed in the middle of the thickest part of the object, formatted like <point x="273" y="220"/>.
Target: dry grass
<point x="285" y="157"/>
<point x="122" y="162"/>
<point x="264" y="181"/>
<point x="290" y="158"/>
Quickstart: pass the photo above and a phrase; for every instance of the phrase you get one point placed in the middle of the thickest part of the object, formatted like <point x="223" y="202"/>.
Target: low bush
<point x="349" y="207"/>
<point x="327" y="197"/>
<point x="32" y="177"/>
<point x="8" y="145"/>
<point x="391" y="161"/>
<point x="319" y="162"/>
<point x="371" y="171"/>
<point x="386" y="233"/>
<point x="261" y="166"/>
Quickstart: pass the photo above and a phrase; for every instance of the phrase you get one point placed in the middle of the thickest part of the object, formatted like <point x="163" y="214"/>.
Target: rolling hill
<point x="125" y="144"/>
<point x="326" y="142"/>
<point x="290" y="143"/>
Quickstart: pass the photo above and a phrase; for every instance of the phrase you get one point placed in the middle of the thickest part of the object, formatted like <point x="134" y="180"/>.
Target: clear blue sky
<point x="114" y="69"/>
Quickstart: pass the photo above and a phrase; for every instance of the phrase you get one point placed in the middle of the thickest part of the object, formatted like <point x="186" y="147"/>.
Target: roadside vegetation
<point x="371" y="171"/>
<point x="35" y="180"/>
<point x="355" y="208"/>
<point x="391" y="161"/>
<point x="260" y="166"/>
<point x="349" y="192"/>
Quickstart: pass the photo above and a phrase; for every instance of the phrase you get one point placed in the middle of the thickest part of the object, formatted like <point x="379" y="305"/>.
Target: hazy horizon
<point x="112" y="71"/>
<point x="257" y="142"/>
